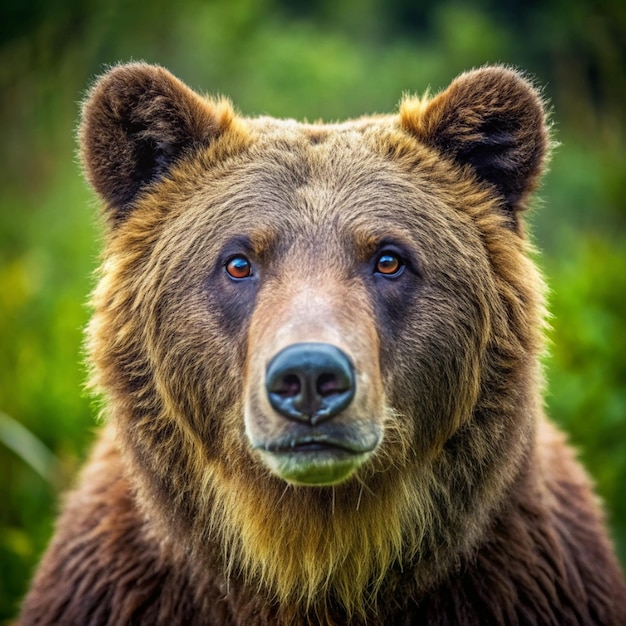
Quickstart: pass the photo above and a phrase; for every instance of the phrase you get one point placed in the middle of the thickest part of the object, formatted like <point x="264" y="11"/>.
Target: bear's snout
<point x="310" y="382"/>
<point x="314" y="408"/>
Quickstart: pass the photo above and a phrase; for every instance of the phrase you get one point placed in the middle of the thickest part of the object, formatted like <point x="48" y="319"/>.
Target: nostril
<point x="329" y="384"/>
<point x="290" y="387"/>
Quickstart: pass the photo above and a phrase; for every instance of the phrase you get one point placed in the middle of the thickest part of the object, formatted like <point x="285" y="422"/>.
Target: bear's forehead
<point x="348" y="159"/>
<point x="318" y="175"/>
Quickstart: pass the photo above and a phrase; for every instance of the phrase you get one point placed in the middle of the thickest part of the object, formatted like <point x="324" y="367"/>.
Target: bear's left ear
<point x="137" y="121"/>
<point x="491" y="119"/>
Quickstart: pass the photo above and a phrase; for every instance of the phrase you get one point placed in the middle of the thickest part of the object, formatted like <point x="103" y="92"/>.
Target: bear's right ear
<point x="137" y="121"/>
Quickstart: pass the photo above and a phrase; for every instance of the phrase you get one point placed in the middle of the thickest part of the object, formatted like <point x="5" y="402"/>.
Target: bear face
<point x="304" y="330"/>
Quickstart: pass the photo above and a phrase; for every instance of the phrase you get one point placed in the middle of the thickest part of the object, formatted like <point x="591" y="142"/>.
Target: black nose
<point x="310" y="382"/>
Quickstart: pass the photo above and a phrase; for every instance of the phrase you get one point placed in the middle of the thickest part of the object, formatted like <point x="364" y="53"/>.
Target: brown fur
<point x="470" y="509"/>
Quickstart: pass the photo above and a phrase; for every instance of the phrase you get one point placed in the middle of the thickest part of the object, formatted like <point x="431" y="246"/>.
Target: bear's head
<point x="318" y="343"/>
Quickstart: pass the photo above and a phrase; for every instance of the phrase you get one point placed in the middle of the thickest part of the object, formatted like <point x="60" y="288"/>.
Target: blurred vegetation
<point x="318" y="59"/>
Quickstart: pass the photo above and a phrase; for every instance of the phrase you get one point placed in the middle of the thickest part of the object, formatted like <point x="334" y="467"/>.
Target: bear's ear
<point x="137" y="121"/>
<point x="491" y="119"/>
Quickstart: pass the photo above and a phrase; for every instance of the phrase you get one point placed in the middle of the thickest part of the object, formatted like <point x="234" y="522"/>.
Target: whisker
<point x="364" y="485"/>
<point x="282" y="495"/>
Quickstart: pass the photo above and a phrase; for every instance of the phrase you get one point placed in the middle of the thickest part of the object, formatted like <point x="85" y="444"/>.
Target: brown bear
<point x="319" y="350"/>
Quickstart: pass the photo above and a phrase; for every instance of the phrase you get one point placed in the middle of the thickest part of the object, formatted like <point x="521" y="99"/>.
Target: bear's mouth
<point x="316" y="443"/>
<point x="316" y="460"/>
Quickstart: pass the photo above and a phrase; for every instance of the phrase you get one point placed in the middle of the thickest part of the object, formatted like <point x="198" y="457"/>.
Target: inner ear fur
<point x="137" y="121"/>
<point x="492" y="120"/>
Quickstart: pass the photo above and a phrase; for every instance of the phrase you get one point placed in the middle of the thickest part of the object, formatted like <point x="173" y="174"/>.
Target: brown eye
<point x="239" y="267"/>
<point x="389" y="264"/>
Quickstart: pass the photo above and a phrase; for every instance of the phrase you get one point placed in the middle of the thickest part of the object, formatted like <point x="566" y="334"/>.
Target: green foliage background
<point x="319" y="59"/>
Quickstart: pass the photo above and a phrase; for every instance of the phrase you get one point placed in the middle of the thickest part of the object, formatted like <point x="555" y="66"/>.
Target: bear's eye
<point x="238" y="267"/>
<point x="389" y="264"/>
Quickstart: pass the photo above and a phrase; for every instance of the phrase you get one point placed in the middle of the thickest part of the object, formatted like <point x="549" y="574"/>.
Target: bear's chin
<point x="314" y="465"/>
